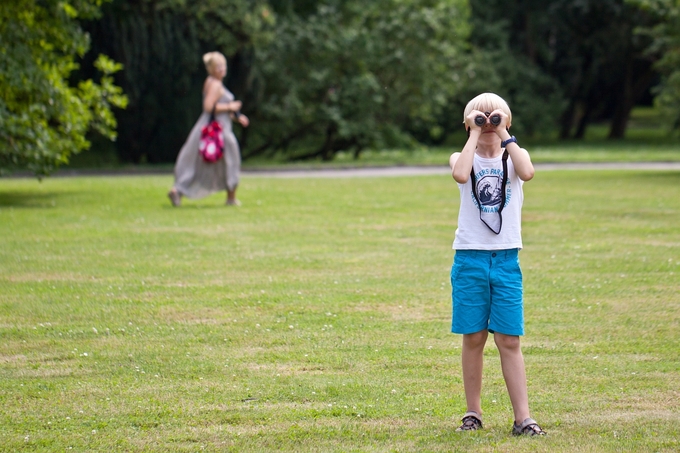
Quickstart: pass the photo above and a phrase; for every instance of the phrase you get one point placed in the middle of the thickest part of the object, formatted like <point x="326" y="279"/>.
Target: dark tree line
<point x="322" y="76"/>
<point x="590" y="48"/>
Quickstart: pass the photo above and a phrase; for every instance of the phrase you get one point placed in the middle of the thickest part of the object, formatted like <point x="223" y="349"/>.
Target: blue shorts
<point x="487" y="292"/>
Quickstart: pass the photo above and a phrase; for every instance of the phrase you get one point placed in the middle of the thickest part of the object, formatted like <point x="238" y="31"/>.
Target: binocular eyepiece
<point x="481" y="120"/>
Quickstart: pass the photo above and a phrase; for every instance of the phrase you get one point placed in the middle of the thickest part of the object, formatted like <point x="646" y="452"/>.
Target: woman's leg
<point x="231" y="198"/>
<point x="473" y="363"/>
<point x="175" y="197"/>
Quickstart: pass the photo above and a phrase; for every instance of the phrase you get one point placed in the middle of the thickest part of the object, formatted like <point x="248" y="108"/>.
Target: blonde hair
<point x="488" y="102"/>
<point x="210" y="58"/>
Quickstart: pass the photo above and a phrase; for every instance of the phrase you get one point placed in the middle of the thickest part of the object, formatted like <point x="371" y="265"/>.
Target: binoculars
<point x="481" y="120"/>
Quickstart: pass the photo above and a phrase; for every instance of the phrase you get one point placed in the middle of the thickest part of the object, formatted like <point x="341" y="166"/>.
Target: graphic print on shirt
<point x="488" y="189"/>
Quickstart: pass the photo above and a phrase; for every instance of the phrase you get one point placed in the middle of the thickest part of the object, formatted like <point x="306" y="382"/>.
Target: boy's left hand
<point x="504" y="120"/>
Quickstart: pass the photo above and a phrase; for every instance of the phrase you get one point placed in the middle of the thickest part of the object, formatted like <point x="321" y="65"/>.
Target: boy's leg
<point x="512" y="363"/>
<point x="473" y="363"/>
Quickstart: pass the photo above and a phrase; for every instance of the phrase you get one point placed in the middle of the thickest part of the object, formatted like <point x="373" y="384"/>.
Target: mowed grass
<point x="316" y="317"/>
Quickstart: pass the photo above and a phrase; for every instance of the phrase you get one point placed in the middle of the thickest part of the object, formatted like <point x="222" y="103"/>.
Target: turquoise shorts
<point x="487" y="292"/>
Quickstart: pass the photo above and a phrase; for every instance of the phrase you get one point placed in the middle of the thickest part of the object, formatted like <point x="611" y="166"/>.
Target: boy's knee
<point x="507" y="341"/>
<point x="476" y="339"/>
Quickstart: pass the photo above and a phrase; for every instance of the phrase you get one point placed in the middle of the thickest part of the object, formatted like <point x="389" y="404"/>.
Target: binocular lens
<point x="481" y="120"/>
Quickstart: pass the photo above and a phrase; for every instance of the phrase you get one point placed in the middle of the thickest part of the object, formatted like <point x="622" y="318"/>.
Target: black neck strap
<point x="503" y="183"/>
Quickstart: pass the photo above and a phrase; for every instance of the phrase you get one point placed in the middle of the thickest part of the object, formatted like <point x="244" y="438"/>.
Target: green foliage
<point x="43" y="118"/>
<point x="350" y="75"/>
<point x="583" y="57"/>
<point x="666" y="46"/>
<point x="315" y="77"/>
<point x="160" y="43"/>
<point x="507" y="40"/>
<point x="319" y="77"/>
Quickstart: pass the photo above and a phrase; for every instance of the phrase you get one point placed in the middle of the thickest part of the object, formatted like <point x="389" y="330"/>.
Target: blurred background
<point x="121" y="79"/>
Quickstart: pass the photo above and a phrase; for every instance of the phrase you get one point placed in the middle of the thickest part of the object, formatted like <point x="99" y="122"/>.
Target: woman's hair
<point x="488" y="102"/>
<point x="211" y="58"/>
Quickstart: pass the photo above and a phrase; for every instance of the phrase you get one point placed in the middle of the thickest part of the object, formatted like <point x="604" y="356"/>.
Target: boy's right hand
<point x="470" y="120"/>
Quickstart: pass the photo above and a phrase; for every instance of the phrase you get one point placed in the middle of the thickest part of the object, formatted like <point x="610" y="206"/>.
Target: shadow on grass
<point x="201" y="207"/>
<point x="30" y="200"/>
<point x="673" y="177"/>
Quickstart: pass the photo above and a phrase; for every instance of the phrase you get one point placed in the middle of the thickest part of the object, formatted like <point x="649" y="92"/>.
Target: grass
<point x="316" y="316"/>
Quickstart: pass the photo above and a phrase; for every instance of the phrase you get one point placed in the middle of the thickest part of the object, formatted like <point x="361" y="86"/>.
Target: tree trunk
<point x="623" y="107"/>
<point x="582" y="124"/>
<point x="566" y="121"/>
<point x="327" y="150"/>
<point x="631" y="93"/>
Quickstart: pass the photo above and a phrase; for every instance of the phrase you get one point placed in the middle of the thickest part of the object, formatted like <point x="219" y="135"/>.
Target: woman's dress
<point x="196" y="178"/>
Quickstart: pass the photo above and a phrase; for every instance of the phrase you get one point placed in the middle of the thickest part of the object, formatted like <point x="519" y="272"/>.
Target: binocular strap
<point x="491" y="217"/>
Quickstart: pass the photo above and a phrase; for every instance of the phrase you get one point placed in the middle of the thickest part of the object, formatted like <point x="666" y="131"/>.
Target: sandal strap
<point x="529" y="426"/>
<point x="471" y="421"/>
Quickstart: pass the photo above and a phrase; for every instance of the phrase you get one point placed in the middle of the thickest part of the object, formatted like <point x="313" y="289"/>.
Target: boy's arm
<point x="520" y="158"/>
<point x="461" y="163"/>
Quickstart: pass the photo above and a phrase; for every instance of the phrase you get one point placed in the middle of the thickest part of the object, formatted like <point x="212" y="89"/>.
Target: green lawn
<point x="316" y="317"/>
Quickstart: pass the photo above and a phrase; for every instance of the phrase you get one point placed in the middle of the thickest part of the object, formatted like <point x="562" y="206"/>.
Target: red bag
<point x="211" y="145"/>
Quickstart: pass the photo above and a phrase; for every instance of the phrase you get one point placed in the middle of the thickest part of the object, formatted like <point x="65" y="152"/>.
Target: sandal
<point x="528" y="427"/>
<point x="175" y="198"/>
<point x="471" y="422"/>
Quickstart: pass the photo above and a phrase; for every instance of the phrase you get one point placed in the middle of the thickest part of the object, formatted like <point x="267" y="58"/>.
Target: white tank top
<point x="472" y="233"/>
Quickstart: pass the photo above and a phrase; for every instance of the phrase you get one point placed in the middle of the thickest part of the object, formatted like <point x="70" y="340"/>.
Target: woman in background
<point x="195" y="178"/>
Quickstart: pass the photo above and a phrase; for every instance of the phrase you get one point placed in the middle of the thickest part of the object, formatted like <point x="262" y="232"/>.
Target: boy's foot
<point x="472" y="421"/>
<point x="175" y="198"/>
<point x="233" y="202"/>
<point x="528" y="427"/>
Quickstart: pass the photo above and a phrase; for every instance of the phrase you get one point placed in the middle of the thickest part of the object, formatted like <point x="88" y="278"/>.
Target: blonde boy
<point x="486" y="278"/>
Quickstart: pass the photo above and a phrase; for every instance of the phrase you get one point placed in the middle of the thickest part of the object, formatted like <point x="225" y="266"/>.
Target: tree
<point x="510" y="39"/>
<point x="315" y="76"/>
<point x="43" y="118"/>
<point x="160" y="44"/>
<point x="665" y="48"/>
<point x="588" y="48"/>
<point x="346" y="75"/>
<point x="600" y="62"/>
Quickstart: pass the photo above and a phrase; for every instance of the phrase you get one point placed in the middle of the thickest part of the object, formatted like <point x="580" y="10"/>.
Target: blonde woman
<point x="195" y="178"/>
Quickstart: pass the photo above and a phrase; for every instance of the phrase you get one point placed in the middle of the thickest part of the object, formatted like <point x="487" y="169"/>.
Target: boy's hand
<point x="470" y="120"/>
<point x="504" y="120"/>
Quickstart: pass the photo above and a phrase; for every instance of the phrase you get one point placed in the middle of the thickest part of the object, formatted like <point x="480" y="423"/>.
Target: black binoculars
<point x="495" y="119"/>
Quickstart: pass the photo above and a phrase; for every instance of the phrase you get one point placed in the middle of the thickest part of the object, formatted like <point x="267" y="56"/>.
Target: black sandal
<point x="175" y="198"/>
<point x="471" y="422"/>
<point x="528" y="427"/>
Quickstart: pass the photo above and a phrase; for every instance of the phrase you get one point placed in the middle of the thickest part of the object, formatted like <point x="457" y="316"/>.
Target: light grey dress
<point x="195" y="178"/>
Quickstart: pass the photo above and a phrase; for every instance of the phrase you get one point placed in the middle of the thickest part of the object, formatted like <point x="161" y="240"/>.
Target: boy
<point x="486" y="278"/>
